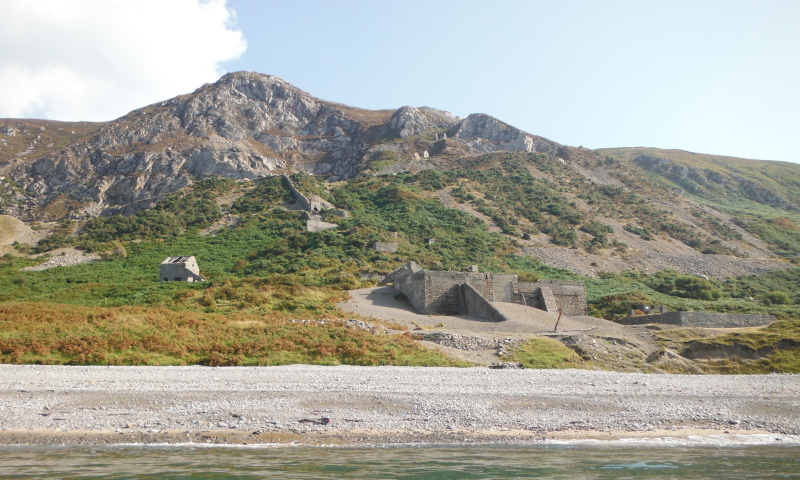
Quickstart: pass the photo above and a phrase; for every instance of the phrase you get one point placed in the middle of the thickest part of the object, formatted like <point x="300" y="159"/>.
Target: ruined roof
<point x="177" y="260"/>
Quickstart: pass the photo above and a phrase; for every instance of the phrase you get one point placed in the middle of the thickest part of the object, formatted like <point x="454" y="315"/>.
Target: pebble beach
<point x="349" y="405"/>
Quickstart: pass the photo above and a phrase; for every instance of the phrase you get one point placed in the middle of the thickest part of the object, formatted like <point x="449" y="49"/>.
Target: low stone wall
<point x="702" y="319"/>
<point x="476" y="304"/>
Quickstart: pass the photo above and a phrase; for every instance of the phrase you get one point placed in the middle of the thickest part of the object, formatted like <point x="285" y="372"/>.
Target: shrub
<point x="689" y="286"/>
<point x="777" y="298"/>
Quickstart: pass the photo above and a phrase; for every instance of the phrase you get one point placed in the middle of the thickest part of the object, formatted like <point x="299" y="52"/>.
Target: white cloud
<point x="99" y="59"/>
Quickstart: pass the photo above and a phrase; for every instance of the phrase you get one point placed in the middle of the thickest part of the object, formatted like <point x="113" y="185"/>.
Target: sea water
<point x="556" y="461"/>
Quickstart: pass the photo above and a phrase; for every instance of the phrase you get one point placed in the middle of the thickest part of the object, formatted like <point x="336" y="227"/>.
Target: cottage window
<point x="177" y="279"/>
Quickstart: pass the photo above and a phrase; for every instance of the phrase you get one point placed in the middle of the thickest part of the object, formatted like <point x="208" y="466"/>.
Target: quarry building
<point x="180" y="269"/>
<point x="472" y="293"/>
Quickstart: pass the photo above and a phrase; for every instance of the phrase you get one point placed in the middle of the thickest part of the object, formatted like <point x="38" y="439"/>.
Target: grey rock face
<point x="484" y="133"/>
<point x="410" y="121"/>
<point x="244" y="126"/>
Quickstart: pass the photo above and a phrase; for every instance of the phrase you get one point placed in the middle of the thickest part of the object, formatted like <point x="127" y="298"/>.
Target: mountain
<point x="244" y="126"/>
<point x="288" y="201"/>
<point x="587" y="211"/>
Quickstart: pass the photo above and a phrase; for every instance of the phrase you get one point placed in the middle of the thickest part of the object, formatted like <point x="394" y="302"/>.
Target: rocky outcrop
<point x="484" y="134"/>
<point x="410" y="121"/>
<point x="244" y="126"/>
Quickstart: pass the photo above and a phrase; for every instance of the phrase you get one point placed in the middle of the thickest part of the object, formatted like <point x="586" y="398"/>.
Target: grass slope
<point x="265" y="270"/>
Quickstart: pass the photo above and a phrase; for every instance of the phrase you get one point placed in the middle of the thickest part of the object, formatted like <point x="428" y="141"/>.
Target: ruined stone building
<point x="180" y="269"/>
<point x="553" y="295"/>
<point x="468" y="293"/>
<point x="315" y="209"/>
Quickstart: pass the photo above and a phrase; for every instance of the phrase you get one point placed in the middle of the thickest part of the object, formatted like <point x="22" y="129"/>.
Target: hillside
<point x="200" y="175"/>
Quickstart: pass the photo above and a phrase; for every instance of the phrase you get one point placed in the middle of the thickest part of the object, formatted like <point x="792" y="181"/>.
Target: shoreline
<point x="680" y="437"/>
<point x="77" y="405"/>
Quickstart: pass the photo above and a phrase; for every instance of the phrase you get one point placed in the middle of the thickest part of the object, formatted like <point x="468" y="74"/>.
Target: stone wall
<point x="319" y="226"/>
<point x="385" y="247"/>
<point x="476" y="304"/>
<point x="411" y="282"/>
<point x="298" y="196"/>
<point x="310" y="205"/>
<point x="439" y="293"/>
<point x="702" y="319"/>
<point x="442" y="295"/>
<point x="570" y="296"/>
<point x="180" y="269"/>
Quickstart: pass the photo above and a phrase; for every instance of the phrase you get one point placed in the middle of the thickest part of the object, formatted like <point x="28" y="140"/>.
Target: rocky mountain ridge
<point x="244" y="126"/>
<point x="613" y="209"/>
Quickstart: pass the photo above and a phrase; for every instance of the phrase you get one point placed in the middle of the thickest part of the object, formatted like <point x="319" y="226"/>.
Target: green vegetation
<point x="544" y="353"/>
<point x="615" y="293"/>
<point x="265" y="270"/>
<point x="74" y="335"/>
<point x="774" y="348"/>
<point x="761" y="196"/>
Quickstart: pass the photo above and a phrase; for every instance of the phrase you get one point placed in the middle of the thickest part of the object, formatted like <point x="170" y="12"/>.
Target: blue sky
<point x="706" y="76"/>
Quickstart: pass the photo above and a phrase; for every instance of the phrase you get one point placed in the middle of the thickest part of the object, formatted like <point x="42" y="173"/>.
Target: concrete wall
<point x="319" y="226"/>
<point x="184" y="271"/>
<point x="414" y="289"/>
<point x="570" y="296"/>
<point x="476" y="304"/>
<point x="439" y="293"/>
<point x="315" y="205"/>
<point x="298" y="196"/>
<point x="702" y="319"/>
<point x="385" y="247"/>
<point x="442" y="294"/>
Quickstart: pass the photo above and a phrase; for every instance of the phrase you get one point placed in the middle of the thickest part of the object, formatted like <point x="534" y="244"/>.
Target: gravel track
<point x="58" y="404"/>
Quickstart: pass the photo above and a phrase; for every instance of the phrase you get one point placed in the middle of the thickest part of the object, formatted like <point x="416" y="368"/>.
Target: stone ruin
<point x="315" y="209"/>
<point x="180" y="269"/>
<point x="568" y="297"/>
<point x="472" y="293"/>
<point x="387" y="247"/>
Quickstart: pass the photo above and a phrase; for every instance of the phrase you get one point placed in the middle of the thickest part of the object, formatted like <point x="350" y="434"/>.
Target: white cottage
<point x="180" y="269"/>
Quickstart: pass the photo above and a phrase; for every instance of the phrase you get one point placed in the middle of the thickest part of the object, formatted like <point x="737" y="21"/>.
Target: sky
<point x="707" y="76"/>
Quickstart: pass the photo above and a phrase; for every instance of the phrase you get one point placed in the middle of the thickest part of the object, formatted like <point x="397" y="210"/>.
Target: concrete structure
<point x="476" y="304"/>
<point x="702" y="319"/>
<point x="315" y="221"/>
<point x="553" y="296"/>
<point x="472" y="293"/>
<point x="180" y="269"/>
<point x="319" y="226"/>
<point x="313" y="205"/>
<point x="385" y="247"/>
